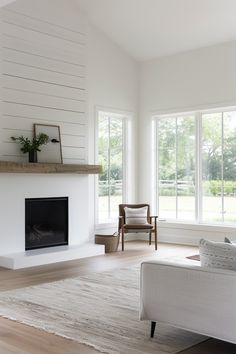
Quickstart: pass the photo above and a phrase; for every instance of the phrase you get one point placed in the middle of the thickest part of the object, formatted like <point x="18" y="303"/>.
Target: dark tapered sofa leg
<point x="153" y="327"/>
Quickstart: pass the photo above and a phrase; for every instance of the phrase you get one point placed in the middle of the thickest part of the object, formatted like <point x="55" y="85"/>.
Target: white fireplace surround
<point x="14" y="188"/>
<point x="43" y="49"/>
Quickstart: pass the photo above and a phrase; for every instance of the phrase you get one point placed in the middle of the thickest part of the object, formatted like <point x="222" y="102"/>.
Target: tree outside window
<point x="203" y="191"/>
<point x="111" y="157"/>
<point x="176" y="167"/>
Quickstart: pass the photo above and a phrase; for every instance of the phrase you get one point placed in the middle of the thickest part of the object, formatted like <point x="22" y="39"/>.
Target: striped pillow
<point x="135" y="216"/>
<point x="217" y="254"/>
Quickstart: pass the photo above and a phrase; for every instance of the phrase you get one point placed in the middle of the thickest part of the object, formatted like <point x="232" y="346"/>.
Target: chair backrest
<point x="122" y="210"/>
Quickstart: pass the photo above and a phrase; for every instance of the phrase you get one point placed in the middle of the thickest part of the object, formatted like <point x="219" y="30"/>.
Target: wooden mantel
<point x="20" y="167"/>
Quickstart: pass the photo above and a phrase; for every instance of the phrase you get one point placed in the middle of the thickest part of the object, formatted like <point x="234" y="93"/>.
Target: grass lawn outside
<point x="186" y="205"/>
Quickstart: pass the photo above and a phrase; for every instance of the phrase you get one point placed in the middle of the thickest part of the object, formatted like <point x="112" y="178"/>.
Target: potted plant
<point x="32" y="146"/>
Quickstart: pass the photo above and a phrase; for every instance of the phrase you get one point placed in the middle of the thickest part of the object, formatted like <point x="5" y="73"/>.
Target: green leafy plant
<point x="28" y="145"/>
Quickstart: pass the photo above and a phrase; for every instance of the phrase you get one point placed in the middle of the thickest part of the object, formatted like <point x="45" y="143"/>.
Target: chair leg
<point x="155" y="234"/>
<point x="153" y="327"/>
<point x="155" y="239"/>
<point x="150" y="238"/>
<point x="122" y="239"/>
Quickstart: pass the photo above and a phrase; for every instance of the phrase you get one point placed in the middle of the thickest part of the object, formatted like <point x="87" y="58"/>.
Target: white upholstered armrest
<point x="188" y="265"/>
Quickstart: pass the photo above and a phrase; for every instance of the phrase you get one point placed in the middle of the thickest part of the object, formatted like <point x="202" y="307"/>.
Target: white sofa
<point x="188" y="296"/>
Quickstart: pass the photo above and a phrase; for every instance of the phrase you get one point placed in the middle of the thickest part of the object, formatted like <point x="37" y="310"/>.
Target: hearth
<point x="46" y="222"/>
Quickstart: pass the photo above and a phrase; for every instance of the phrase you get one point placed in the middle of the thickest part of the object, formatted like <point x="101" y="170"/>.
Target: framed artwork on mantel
<point x="52" y="151"/>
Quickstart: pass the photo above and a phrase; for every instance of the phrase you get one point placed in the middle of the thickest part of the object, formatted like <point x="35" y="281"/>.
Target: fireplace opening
<point x="46" y="222"/>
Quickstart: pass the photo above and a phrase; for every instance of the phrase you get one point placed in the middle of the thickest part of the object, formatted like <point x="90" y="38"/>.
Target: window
<point x="196" y="167"/>
<point x="176" y="167"/>
<point x="111" y="148"/>
<point x="219" y="167"/>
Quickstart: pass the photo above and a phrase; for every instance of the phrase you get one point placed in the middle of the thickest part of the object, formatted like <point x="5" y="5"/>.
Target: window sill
<point x="113" y="227"/>
<point x="195" y="226"/>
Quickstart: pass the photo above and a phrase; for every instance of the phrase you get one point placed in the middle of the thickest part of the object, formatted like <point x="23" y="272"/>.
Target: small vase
<point x="32" y="156"/>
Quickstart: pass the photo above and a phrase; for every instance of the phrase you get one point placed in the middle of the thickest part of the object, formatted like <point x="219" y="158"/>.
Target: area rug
<point x="100" y="310"/>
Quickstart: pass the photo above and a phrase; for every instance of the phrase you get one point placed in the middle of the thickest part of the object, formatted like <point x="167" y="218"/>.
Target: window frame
<point x="125" y="116"/>
<point x="156" y="119"/>
<point x="198" y="114"/>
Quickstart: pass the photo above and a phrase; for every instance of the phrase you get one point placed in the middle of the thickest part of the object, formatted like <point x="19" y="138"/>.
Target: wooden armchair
<point x="125" y="227"/>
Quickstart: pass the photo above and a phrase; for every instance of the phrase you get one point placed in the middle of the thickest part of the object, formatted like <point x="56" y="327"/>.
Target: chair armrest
<point x="155" y="217"/>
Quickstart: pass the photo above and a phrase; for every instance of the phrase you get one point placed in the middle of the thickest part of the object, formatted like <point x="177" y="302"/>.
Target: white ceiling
<point x="152" y="28"/>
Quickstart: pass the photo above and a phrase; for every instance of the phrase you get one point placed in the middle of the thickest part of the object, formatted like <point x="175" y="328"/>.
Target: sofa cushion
<point x="217" y="254"/>
<point x="136" y="215"/>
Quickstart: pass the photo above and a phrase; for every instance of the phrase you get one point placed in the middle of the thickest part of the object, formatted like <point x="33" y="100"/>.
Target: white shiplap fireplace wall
<point x="43" y="80"/>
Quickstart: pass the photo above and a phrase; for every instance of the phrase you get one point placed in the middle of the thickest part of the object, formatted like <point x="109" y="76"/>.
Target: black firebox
<point x="46" y="222"/>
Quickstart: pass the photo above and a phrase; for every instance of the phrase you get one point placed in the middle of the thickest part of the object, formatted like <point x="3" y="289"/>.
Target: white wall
<point x="199" y="78"/>
<point x="204" y="78"/>
<point x="42" y="82"/>
<point x="29" y="96"/>
<point x="43" y="76"/>
<point x="112" y="85"/>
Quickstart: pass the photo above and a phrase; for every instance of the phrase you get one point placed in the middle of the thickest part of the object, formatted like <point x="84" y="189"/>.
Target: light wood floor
<point x="16" y="338"/>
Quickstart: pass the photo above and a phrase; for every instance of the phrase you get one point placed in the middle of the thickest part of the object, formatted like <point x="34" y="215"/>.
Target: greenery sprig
<point x="28" y="145"/>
